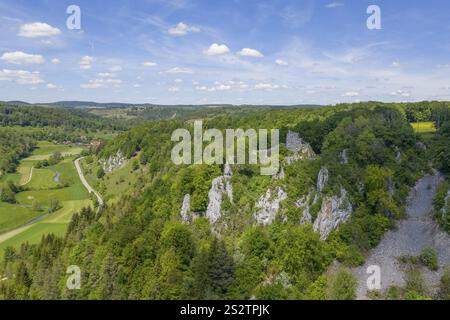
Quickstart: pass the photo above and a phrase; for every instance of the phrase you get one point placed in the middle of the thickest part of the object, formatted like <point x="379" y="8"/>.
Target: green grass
<point x="13" y="215"/>
<point x="424" y="127"/>
<point x="42" y="189"/>
<point x="45" y="149"/>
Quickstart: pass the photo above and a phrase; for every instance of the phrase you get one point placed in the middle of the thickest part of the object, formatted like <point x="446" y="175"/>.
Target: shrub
<point x="429" y="258"/>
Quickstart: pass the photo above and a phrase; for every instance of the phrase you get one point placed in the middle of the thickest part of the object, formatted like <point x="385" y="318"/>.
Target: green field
<point x="424" y="127"/>
<point x="38" y="193"/>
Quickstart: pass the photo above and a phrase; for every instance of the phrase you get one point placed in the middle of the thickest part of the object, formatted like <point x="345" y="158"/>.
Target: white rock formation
<point x="186" y="208"/>
<point x="280" y="175"/>
<point x="335" y="211"/>
<point x="113" y="162"/>
<point x="446" y="208"/>
<point x="221" y="186"/>
<point x="304" y="205"/>
<point x="300" y="149"/>
<point x="344" y="156"/>
<point x="322" y="179"/>
<point x="268" y="205"/>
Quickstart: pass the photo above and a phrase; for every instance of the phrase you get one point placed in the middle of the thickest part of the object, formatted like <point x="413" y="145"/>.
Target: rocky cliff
<point x="335" y="211"/>
<point x="268" y="205"/>
<point x="221" y="186"/>
<point x="113" y="162"/>
<point x="301" y="150"/>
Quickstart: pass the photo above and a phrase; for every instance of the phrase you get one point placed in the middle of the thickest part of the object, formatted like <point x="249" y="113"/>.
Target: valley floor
<point x="417" y="232"/>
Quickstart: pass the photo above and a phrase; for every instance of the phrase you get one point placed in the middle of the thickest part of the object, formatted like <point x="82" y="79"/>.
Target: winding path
<point x="86" y="184"/>
<point x="417" y="232"/>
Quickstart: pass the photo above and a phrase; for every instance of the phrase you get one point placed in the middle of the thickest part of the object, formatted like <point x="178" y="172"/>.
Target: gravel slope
<point x="414" y="234"/>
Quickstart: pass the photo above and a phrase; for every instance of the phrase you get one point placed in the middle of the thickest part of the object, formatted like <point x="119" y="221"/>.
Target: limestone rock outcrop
<point x="113" y="162"/>
<point x="335" y="211"/>
<point x="269" y="205"/>
<point x="301" y="150"/>
<point x="186" y="208"/>
<point x="322" y="179"/>
<point x="221" y="186"/>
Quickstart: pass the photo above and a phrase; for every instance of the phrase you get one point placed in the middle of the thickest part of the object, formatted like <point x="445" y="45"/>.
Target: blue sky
<point x="239" y="52"/>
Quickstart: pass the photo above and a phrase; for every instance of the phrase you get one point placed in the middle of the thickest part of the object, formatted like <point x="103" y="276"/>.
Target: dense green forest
<point x="141" y="247"/>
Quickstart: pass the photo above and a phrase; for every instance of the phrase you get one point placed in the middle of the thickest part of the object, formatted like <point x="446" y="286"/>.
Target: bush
<point x="444" y="288"/>
<point x="429" y="258"/>
<point x="343" y="286"/>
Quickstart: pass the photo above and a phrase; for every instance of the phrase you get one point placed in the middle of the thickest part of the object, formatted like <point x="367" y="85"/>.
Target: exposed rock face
<point x="304" y="204"/>
<point x="398" y="154"/>
<point x="344" y="156"/>
<point x="280" y="175"/>
<point x="391" y="187"/>
<point x="335" y="211"/>
<point x="322" y="179"/>
<point x="300" y="149"/>
<point x="268" y="205"/>
<point x="113" y="162"/>
<point x="421" y="146"/>
<point x="446" y="207"/>
<point x="186" y="208"/>
<point x="221" y="186"/>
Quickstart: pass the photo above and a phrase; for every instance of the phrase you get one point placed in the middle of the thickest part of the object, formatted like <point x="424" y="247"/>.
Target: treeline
<point x="15" y="144"/>
<point x="70" y="119"/>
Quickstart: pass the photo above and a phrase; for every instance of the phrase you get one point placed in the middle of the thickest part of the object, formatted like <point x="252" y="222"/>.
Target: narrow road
<point x="86" y="184"/>
<point x="415" y="233"/>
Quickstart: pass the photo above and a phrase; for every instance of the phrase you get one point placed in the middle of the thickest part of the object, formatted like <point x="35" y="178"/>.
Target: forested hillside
<point x="271" y="237"/>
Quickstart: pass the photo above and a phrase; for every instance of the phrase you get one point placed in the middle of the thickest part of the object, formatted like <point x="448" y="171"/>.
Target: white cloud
<point x="20" y="57"/>
<point x="281" y="62"/>
<point x="266" y="86"/>
<point x="102" y="83"/>
<point x="56" y="61"/>
<point x="137" y="85"/>
<point x="178" y="70"/>
<point x="178" y="80"/>
<point x="173" y="89"/>
<point x="20" y="76"/>
<point x="106" y="75"/>
<point x="149" y="64"/>
<point x="38" y="29"/>
<point x="351" y="94"/>
<point x="334" y="5"/>
<point x="86" y="63"/>
<point x="182" y="29"/>
<point x="51" y="86"/>
<point x="395" y="64"/>
<point x="216" y="49"/>
<point x="247" y="52"/>
<point x="401" y="93"/>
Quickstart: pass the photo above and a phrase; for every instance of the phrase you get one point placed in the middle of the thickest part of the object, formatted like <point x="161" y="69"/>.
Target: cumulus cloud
<point x="281" y="62"/>
<point x="86" y="63"/>
<point x="173" y="89"/>
<point x="102" y="83"/>
<point x="21" y="77"/>
<point x="266" y="86"/>
<point x="182" y="29"/>
<point x="19" y="57"/>
<point x="106" y="75"/>
<point x="395" y="64"/>
<point x="38" y="29"/>
<point x="351" y="94"/>
<point x="216" y="49"/>
<point x="248" y="52"/>
<point x="178" y="70"/>
<point x="149" y="64"/>
<point x="52" y="86"/>
<point x="401" y="93"/>
<point x="56" y="61"/>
